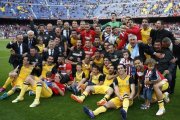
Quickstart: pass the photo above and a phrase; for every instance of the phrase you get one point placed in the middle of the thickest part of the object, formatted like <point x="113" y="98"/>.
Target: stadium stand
<point x="68" y="9"/>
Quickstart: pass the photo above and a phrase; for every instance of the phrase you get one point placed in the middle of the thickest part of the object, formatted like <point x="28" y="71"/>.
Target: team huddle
<point x="119" y="60"/>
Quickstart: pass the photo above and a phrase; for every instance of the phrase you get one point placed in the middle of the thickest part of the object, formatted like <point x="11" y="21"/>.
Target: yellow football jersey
<point x="45" y="69"/>
<point x="108" y="82"/>
<point x="86" y="69"/>
<point x="23" y="74"/>
<point x="124" y="85"/>
<point x="145" y="35"/>
<point x="105" y="70"/>
<point x="95" y="78"/>
<point x="41" y="48"/>
<point x="79" y="76"/>
<point x="99" y="62"/>
<point x="73" y="41"/>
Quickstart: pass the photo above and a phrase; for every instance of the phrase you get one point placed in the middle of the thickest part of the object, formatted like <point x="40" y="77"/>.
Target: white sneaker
<point x="160" y="112"/>
<point x="166" y="98"/>
<point x="17" y="100"/>
<point x="35" y="103"/>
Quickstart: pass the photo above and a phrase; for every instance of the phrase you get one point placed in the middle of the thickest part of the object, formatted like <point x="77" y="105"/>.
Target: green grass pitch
<point x="63" y="108"/>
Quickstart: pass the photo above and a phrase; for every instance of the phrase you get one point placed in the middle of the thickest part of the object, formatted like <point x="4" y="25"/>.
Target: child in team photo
<point x="79" y="79"/>
<point x="150" y="77"/>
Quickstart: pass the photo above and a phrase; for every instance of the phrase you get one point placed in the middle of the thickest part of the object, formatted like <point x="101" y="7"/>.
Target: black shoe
<point x="123" y="114"/>
<point x="88" y="112"/>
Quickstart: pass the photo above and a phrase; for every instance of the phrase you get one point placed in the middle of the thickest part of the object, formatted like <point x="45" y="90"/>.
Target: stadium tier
<point x="87" y="9"/>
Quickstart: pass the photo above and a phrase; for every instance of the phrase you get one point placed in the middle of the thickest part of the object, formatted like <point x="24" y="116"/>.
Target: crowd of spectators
<point x="10" y="31"/>
<point x="82" y="9"/>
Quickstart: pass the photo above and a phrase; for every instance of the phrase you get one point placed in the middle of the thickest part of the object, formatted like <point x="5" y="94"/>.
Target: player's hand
<point x="130" y="98"/>
<point x="174" y="60"/>
<point x="13" y="40"/>
<point x="149" y="40"/>
<point x="87" y="38"/>
<point x="177" y="42"/>
<point x="137" y="96"/>
<point x="12" y="52"/>
<point x="45" y="49"/>
<point x="93" y="57"/>
<point x="79" y="59"/>
<point x="146" y="81"/>
<point x="139" y="41"/>
<point x="159" y="55"/>
<point x="24" y="54"/>
<point x="122" y="30"/>
<point x="43" y="63"/>
<point x="121" y="98"/>
<point x="13" y="74"/>
<point x="34" y="64"/>
<point x="72" y="48"/>
<point x="65" y="53"/>
<point x="91" y="62"/>
<point x="91" y="74"/>
<point x="166" y="72"/>
<point x="71" y="58"/>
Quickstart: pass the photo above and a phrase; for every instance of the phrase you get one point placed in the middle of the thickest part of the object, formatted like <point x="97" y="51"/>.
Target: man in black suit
<point x="40" y="31"/>
<point x="161" y="33"/>
<point x="30" y="40"/>
<point x="63" y="40"/>
<point x="18" y="50"/>
<point x="51" y="51"/>
<point x="50" y="32"/>
<point x="66" y="31"/>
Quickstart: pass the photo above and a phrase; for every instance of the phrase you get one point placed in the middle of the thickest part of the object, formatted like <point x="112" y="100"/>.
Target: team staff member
<point x="18" y="50"/>
<point x="76" y="55"/>
<point x="40" y="31"/>
<point x="113" y="55"/>
<point x="124" y="89"/>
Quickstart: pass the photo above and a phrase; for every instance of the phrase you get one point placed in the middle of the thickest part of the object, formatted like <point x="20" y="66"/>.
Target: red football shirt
<point x="91" y="34"/>
<point x="89" y="51"/>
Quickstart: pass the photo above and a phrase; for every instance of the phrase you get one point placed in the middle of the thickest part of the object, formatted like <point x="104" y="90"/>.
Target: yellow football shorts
<point x="100" y="89"/>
